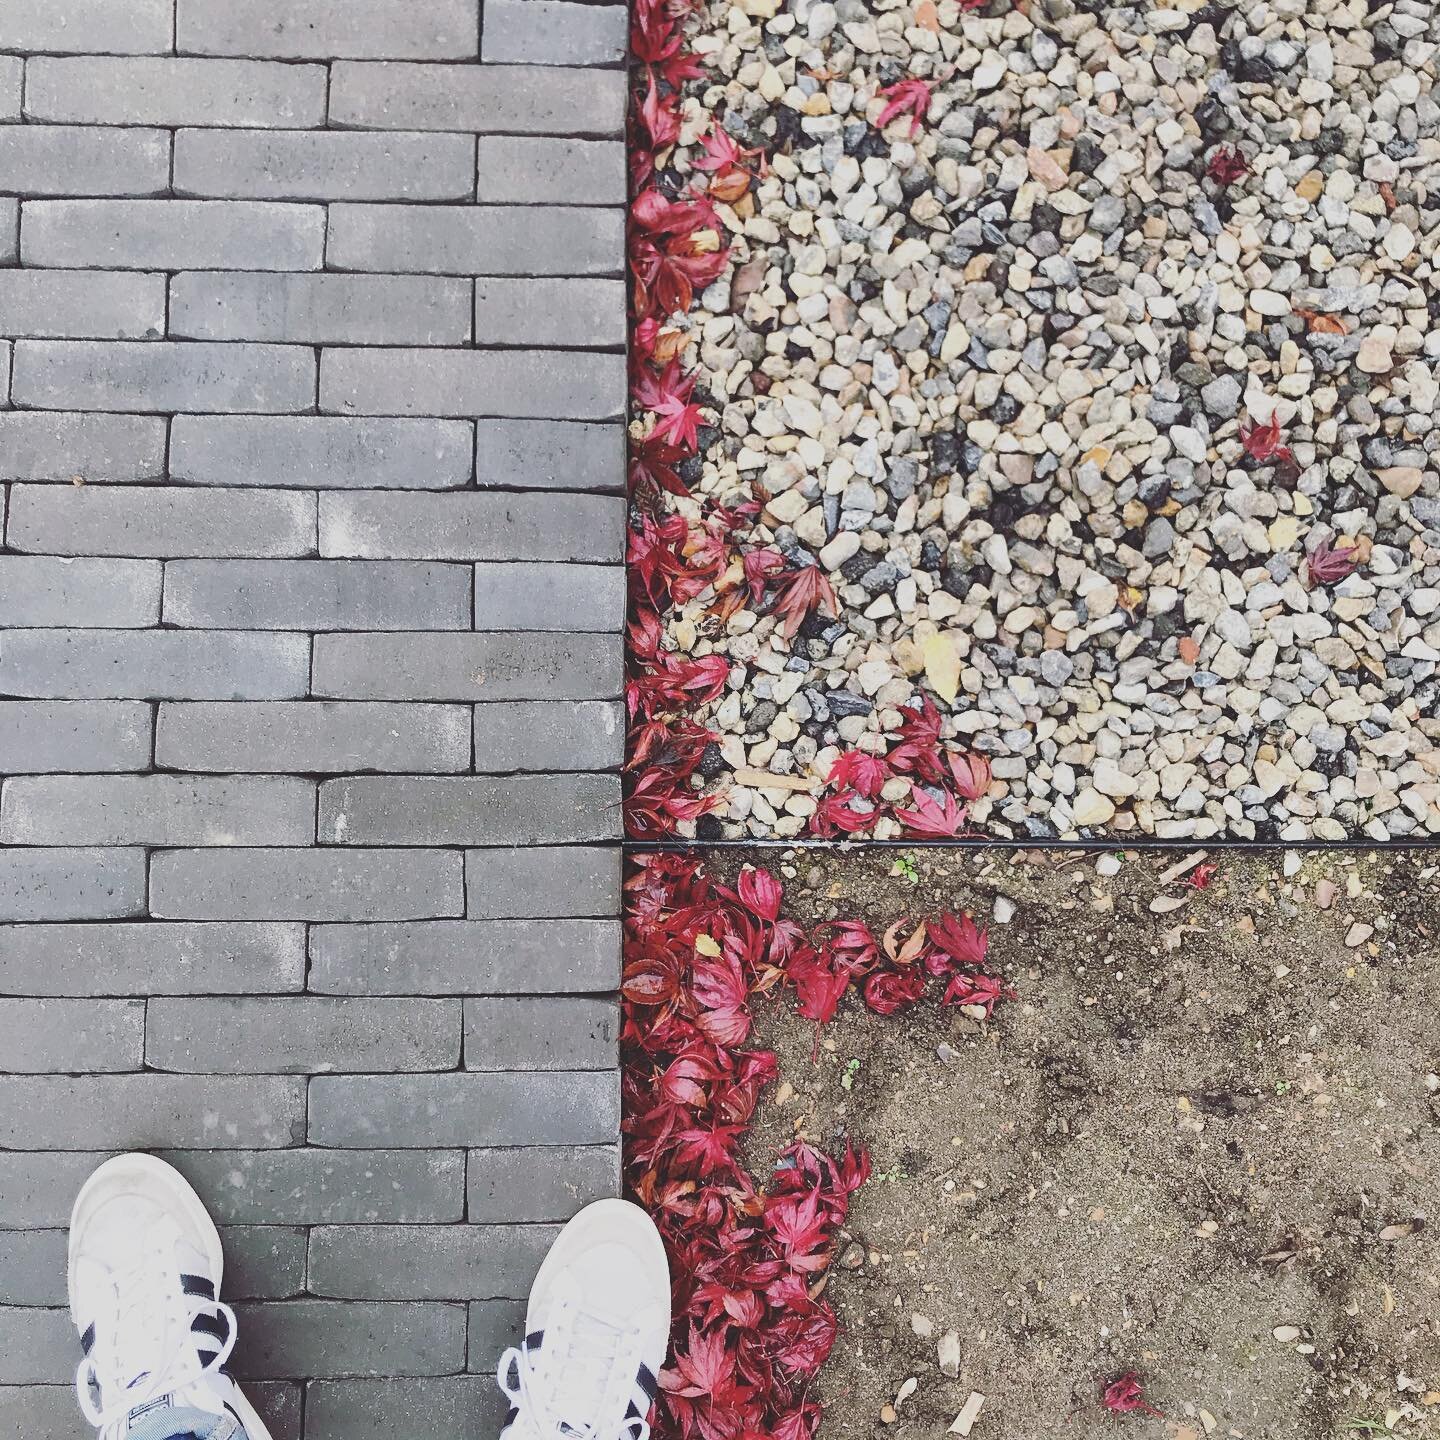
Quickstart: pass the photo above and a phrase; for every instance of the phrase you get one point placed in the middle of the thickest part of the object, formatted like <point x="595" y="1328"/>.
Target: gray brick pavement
<point x="311" y="391"/>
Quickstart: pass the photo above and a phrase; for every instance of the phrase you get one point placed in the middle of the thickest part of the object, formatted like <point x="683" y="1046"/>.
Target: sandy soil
<point x="1203" y="1144"/>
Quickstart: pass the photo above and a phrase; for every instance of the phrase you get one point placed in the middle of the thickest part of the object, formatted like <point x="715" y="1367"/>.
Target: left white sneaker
<point x="596" y="1332"/>
<point x="145" y="1271"/>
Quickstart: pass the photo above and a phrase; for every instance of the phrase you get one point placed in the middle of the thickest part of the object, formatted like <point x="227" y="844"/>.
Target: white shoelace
<point x="590" y="1373"/>
<point x="145" y="1348"/>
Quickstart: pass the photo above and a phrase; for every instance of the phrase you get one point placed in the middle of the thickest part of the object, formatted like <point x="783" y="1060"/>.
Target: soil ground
<point x="1202" y="1144"/>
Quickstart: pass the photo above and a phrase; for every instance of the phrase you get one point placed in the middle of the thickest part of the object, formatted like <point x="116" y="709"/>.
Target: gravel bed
<point x="1026" y="376"/>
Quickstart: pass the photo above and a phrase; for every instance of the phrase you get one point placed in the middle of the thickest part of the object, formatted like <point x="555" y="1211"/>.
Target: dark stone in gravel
<point x="844" y="702"/>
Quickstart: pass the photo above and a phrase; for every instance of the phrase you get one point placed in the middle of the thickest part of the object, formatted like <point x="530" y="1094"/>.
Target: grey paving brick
<point x="94" y="27"/>
<point x="93" y="520"/>
<point x="6" y="352"/>
<point x="323" y="1339"/>
<point x="83" y="304"/>
<point x="38" y="1189"/>
<point x="555" y="32"/>
<point x="570" y="880"/>
<point x="160" y="376"/>
<point x="566" y="313"/>
<point x="535" y="1183"/>
<point x="312" y="737"/>
<point x="420" y="1111"/>
<point x="280" y="1406"/>
<point x="171" y="91"/>
<point x="12" y="87"/>
<point x="32" y="1268"/>
<point x="144" y="958"/>
<point x="510" y="99"/>
<point x="37" y="1347"/>
<point x="389" y="525"/>
<point x="84" y="160"/>
<point x="468" y="810"/>
<point x="549" y="455"/>
<point x="348" y="885"/>
<point x="324" y="165"/>
<point x="427" y="1262"/>
<point x="263" y="1262"/>
<point x="494" y="1327"/>
<point x="49" y="1036"/>
<point x="521" y="383"/>
<point x="157" y="810"/>
<point x="530" y="170"/>
<point x="320" y="1187"/>
<point x="448" y="957"/>
<point x="321" y="309"/>
<point x="301" y="1035"/>
<point x="138" y="1112"/>
<point x="449" y="666"/>
<point x="549" y="597"/>
<point x="317" y="595"/>
<point x="156" y="664"/>
<point x="477" y="239"/>
<point x="49" y="446"/>
<point x="327" y="29"/>
<point x="552" y="1032"/>
<point x="173" y="234"/>
<point x="75" y="736"/>
<point x="441" y="1407"/>
<point x="85" y="884"/>
<point x="550" y="735"/>
<point x="319" y="451"/>
<point x="9" y="230"/>
<point x="52" y="590"/>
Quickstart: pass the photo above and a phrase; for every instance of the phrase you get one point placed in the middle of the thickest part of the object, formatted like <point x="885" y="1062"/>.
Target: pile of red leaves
<point x="749" y="1259"/>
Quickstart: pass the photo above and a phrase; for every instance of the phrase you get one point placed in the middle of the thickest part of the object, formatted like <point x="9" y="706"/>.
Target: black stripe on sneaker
<point x="534" y="1339"/>
<point x="87" y="1340"/>
<point x="197" y="1285"/>
<point x="210" y="1325"/>
<point x="647" y="1382"/>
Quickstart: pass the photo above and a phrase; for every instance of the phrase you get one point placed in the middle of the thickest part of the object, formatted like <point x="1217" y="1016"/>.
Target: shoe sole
<point x="129" y="1174"/>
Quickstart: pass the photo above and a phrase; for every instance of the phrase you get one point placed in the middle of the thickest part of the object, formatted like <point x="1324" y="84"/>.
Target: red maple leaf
<point x="1124" y="1394"/>
<point x="960" y="938"/>
<point x="759" y="892"/>
<point x="1262" y="442"/>
<point x="906" y="95"/>
<point x="798" y="1225"/>
<point x="800" y="592"/>
<point x="939" y="818"/>
<point x="919" y="750"/>
<point x="835" y="813"/>
<point x="820" y="984"/>
<point x="1326" y="564"/>
<point x="1227" y="165"/>
<point x="972" y="774"/>
<point x="1201" y="876"/>
<point x="887" y="991"/>
<point x="679" y="422"/>
<point x="986" y="991"/>
<point x="862" y="773"/>
<point x="761" y="566"/>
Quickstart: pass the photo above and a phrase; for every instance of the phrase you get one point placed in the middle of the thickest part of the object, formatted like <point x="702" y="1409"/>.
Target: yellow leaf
<point x="942" y="667"/>
<point x="704" y="945"/>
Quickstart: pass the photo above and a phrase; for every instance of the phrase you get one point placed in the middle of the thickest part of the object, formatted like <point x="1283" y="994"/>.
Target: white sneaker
<point x="145" y="1271"/>
<point x="596" y="1332"/>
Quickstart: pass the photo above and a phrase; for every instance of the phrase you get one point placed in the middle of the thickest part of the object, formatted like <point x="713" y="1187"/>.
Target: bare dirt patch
<point x="1203" y="1144"/>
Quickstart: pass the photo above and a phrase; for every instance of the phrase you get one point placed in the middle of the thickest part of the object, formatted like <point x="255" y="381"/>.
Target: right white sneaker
<point x="145" y="1272"/>
<point x="596" y="1332"/>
